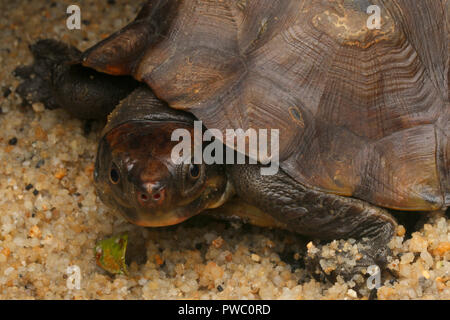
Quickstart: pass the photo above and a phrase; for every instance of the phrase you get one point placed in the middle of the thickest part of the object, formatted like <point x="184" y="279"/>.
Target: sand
<point x="51" y="218"/>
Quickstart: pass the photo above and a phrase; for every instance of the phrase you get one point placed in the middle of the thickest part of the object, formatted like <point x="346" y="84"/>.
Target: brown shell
<point x="361" y="112"/>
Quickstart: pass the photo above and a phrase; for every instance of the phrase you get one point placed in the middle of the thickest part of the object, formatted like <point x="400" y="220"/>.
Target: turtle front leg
<point x="319" y="215"/>
<point x="57" y="79"/>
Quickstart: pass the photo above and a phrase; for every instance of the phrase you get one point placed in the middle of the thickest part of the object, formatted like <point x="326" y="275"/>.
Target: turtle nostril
<point x="151" y="194"/>
<point x="157" y="196"/>
<point x="143" y="197"/>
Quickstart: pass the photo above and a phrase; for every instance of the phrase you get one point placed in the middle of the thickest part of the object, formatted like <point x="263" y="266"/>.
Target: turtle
<point x="362" y="112"/>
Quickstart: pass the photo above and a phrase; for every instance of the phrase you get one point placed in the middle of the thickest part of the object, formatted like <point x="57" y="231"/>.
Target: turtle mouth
<point x="154" y="219"/>
<point x="154" y="216"/>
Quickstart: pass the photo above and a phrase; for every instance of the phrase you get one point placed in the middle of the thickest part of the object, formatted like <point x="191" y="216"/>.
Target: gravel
<point x="51" y="218"/>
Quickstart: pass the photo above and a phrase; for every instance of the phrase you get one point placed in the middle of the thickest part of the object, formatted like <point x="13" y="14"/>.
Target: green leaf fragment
<point x="110" y="254"/>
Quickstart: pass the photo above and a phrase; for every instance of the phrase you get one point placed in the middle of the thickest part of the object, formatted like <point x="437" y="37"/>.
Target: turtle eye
<point x="194" y="171"/>
<point x="193" y="178"/>
<point x="114" y="175"/>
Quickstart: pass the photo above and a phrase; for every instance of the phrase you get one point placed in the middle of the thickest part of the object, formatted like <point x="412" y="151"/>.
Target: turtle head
<point x="135" y="174"/>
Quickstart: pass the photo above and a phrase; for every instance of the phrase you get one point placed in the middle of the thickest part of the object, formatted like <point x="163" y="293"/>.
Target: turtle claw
<point x="348" y="259"/>
<point x="57" y="79"/>
<point x="38" y="77"/>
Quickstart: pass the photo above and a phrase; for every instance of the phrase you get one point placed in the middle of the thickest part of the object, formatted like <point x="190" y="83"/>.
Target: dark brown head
<point x="134" y="173"/>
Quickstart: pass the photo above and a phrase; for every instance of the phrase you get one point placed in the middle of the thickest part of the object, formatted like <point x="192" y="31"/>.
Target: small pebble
<point x="12" y="141"/>
<point x="34" y="232"/>
<point x="217" y="243"/>
<point x="6" y="92"/>
<point x="256" y="258"/>
<point x="401" y="231"/>
<point x="40" y="163"/>
<point x="352" y="293"/>
<point x="60" y="173"/>
<point x="38" y="107"/>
